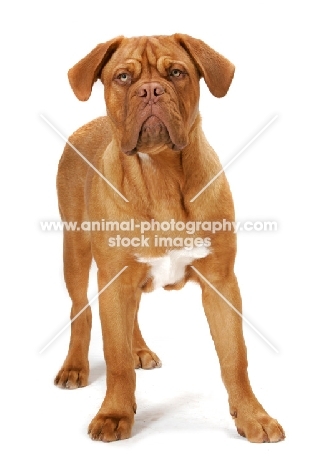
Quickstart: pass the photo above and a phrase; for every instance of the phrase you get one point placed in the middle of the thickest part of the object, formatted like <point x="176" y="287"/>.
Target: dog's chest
<point x="160" y="181"/>
<point x="170" y="268"/>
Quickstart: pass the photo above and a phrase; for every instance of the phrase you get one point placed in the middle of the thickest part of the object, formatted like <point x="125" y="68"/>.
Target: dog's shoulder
<point x="87" y="140"/>
<point x="92" y="136"/>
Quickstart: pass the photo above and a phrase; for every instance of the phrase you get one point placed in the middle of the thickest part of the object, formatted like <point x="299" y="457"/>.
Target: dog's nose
<point x="150" y="91"/>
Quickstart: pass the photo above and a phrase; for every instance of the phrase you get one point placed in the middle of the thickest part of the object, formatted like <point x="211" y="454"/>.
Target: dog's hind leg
<point x="143" y="356"/>
<point x="77" y="261"/>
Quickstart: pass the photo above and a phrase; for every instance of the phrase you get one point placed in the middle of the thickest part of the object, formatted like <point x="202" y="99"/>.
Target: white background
<point x="182" y="408"/>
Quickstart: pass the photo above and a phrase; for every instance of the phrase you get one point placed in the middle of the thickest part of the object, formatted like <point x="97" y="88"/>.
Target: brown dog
<point x="151" y="148"/>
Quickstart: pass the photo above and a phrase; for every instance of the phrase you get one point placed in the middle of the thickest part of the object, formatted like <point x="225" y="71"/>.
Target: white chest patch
<point x="170" y="268"/>
<point x="144" y="156"/>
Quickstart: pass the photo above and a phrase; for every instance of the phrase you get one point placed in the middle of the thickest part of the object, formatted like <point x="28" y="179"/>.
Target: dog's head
<point x="152" y="87"/>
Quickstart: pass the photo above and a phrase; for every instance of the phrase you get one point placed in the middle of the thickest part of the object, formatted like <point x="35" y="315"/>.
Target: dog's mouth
<point x="153" y="134"/>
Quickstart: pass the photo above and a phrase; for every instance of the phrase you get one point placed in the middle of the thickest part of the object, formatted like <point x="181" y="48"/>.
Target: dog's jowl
<point x="151" y="159"/>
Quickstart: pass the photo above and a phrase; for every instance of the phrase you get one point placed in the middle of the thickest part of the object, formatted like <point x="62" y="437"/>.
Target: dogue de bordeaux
<point x="149" y="160"/>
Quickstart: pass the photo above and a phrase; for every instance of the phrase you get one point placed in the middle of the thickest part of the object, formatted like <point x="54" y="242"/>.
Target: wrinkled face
<point x="151" y="92"/>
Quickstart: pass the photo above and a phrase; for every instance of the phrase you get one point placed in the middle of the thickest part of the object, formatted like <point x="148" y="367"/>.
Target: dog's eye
<point x="124" y="78"/>
<point x="176" y="73"/>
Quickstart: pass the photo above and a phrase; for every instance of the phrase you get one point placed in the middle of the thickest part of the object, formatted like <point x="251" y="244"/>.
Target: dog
<point x="147" y="161"/>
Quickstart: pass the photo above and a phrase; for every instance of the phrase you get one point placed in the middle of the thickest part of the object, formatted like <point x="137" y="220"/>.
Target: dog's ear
<point x="83" y="75"/>
<point x="216" y="70"/>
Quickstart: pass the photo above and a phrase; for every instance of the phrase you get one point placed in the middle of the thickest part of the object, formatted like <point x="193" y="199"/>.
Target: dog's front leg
<point x="251" y="420"/>
<point x="118" y="306"/>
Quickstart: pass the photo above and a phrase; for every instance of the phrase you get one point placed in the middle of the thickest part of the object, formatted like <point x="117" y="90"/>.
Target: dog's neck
<point x="167" y="177"/>
<point x="165" y="159"/>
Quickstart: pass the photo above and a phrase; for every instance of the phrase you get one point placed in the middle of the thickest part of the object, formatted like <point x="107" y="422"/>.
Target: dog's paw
<point x="72" y="377"/>
<point x="146" y="359"/>
<point x="258" y="426"/>
<point x="109" y="428"/>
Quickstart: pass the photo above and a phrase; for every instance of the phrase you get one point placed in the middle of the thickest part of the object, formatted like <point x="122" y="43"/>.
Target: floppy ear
<point x="216" y="70"/>
<point x="84" y="74"/>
